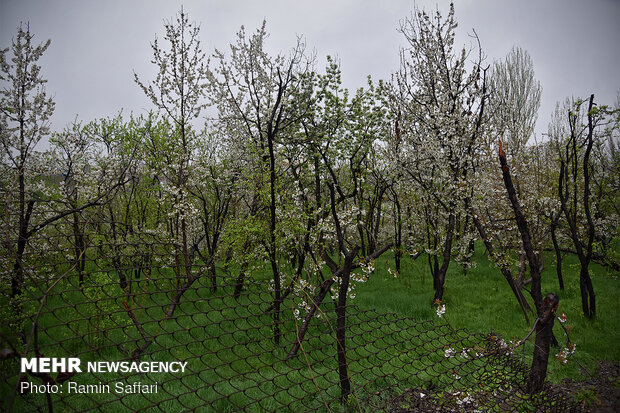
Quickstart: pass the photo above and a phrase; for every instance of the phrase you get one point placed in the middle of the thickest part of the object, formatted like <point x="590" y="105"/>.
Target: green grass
<point x="233" y="360"/>
<point x="480" y="300"/>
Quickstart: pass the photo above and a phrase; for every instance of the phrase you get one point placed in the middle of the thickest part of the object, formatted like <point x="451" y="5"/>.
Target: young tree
<point x="212" y="184"/>
<point x="338" y="138"/>
<point x="514" y="101"/>
<point x="178" y="91"/>
<point x="25" y="110"/>
<point x="588" y="124"/>
<point x="254" y="95"/>
<point x="545" y="308"/>
<point x="71" y="155"/>
<point x="31" y="196"/>
<point x="441" y="126"/>
<point x="113" y="145"/>
<point x="514" y="98"/>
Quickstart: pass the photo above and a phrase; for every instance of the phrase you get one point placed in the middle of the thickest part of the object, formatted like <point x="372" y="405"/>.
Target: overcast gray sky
<point x="97" y="45"/>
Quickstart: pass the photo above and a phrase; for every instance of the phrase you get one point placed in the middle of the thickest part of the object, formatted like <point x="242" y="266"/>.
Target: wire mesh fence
<point x="152" y="333"/>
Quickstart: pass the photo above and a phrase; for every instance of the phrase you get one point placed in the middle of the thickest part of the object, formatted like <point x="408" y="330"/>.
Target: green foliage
<point x="587" y="398"/>
<point x="100" y="308"/>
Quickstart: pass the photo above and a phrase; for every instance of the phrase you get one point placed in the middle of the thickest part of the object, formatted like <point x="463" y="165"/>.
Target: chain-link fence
<point x="137" y="302"/>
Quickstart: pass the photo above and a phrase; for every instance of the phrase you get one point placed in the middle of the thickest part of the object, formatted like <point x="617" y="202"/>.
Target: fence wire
<point x="133" y="301"/>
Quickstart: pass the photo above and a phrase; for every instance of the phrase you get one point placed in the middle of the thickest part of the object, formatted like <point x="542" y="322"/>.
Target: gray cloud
<point x="97" y="45"/>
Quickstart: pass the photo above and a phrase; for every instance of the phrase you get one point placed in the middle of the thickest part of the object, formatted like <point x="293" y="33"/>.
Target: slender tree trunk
<point x="545" y="309"/>
<point x="115" y="259"/>
<point x="177" y="297"/>
<point x="272" y="239"/>
<point x="558" y="254"/>
<point x="17" y="280"/>
<point x="505" y="270"/>
<point x="398" y="231"/>
<point x="318" y="299"/>
<point x="80" y="248"/>
<point x="440" y="276"/>
<point x="360" y="230"/>
<point x="316" y="303"/>
<point x="588" y="303"/>
<point x="213" y="276"/>
<point x="240" y="279"/>
<point x="372" y="242"/>
<point x="289" y="289"/>
<point x="341" y="309"/>
<point x="544" y="338"/>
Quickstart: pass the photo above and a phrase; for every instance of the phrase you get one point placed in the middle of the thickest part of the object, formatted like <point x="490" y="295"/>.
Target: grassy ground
<point x="234" y="363"/>
<point x="480" y="300"/>
<point x="223" y="339"/>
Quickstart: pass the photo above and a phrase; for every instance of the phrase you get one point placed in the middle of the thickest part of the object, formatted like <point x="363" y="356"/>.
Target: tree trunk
<point x="524" y="230"/>
<point x="213" y="277"/>
<point x="79" y="248"/>
<point x="585" y="283"/>
<point x="321" y="296"/>
<point x="440" y="276"/>
<point x="115" y="259"/>
<point x="272" y="239"/>
<point x="558" y="254"/>
<point x="398" y="231"/>
<point x="17" y="280"/>
<point x="240" y="278"/>
<point x="588" y="302"/>
<point x="343" y="373"/>
<point x="544" y="337"/>
<point x="177" y="297"/>
<point x="545" y="309"/>
<point x="505" y="270"/>
<point x="309" y="316"/>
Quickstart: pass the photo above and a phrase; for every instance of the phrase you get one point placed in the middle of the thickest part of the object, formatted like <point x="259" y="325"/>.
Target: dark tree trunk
<point x="289" y="289"/>
<point x="177" y="297"/>
<point x="318" y="299"/>
<point x="345" y="384"/>
<point x="544" y="338"/>
<point x="316" y="303"/>
<point x="240" y="279"/>
<point x="546" y="309"/>
<point x="440" y="276"/>
<point x="505" y="269"/>
<point x="213" y="277"/>
<point x="79" y="248"/>
<point x="558" y="253"/>
<point x="272" y="239"/>
<point x="360" y="230"/>
<point x="583" y="249"/>
<point x="398" y="231"/>
<point x="17" y="280"/>
<point x="526" y="239"/>
<point x="372" y="241"/>
<point x="588" y="299"/>
<point x="116" y="258"/>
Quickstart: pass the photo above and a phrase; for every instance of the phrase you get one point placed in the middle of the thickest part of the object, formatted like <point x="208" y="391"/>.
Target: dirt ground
<point x="601" y="393"/>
